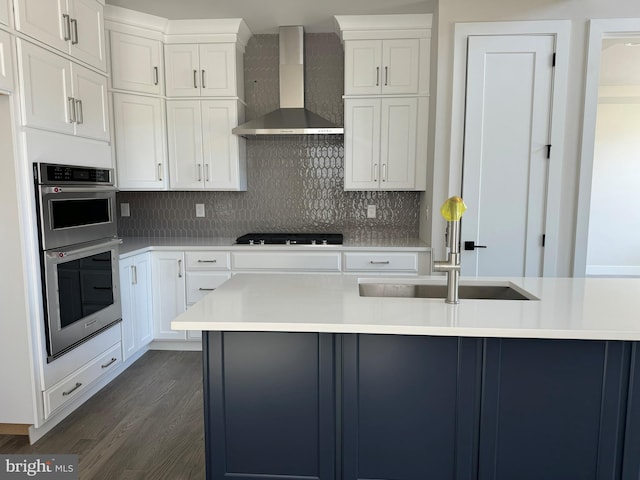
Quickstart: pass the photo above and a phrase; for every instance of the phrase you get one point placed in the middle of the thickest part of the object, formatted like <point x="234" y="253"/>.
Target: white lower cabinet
<point x="169" y="297"/>
<point x="278" y="261"/>
<point x="136" y="300"/>
<point x="73" y="385"/>
<point x="6" y="64"/>
<point x="381" y="262"/>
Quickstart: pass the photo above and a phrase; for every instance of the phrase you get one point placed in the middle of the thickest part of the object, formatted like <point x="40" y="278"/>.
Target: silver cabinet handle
<point x="179" y="268"/>
<point x="375" y="172"/>
<point x="199" y="172"/>
<point x="69" y="392"/>
<point x="67" y="27"/>
<point x="160" y="172"/>
<point x="155" y="76"/>
<point x="134" y="275"/>
<point x="203" y="79"/>
<point x="206" y="289"/>
<point x="195" y="79"/>
<point x="386" y="76"/>
<point x="384" y="172"/>
<point x="206" y="172"/>
<point x="207" y="261"/>
<point x="74" y="31"/>
<point x="377" y="76"/>
<point x="373" y="262"/>
<point x="72" y="109"/>
<point x="110" y="362"/>
<point x="79" y="113"/>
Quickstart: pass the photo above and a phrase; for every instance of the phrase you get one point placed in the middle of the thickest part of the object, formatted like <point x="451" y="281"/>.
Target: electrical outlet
<point x="371" y="211"/>
<point x="124" y="210"/>
<point x="199" y="209"/>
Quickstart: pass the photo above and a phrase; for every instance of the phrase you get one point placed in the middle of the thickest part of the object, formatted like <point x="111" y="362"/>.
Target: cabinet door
<point x="408" y="406"/>
<point x="87" y="32"/>
<point x="182" y="70"/>
<point x="552" y="409"/>
<point x="363" y="67"/>
<point x="4" y="12"/>
<point x="168" y="293"/>
<point x="400" y="66"/>
<point x="127" y="302"/>
<point x="6" y="63"/>
<point x="46" y="84"/>
<point x="631" y="459"/>
<point x="44" y="21"/>
<point x="184" y="131"/>
<point x="399" y="122"/>
<point x="143" y="306"/>
<point x="269" y="405"/>
<point x="217" y="70"/>
<point x="140" y="142"/>
<point x="362" y="144"/>
<point x="136" y="63"/>
<point x="90" y="96"/>
<point x="224" y="160"/>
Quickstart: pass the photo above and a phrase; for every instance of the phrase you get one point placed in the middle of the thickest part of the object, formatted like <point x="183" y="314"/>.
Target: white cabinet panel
<point x="286" y="261"/>
<point x="362" y="143"/>
<point x="6" y="62"/>
<point x="135" y="288"/>
<point x="168" y="293"/>
<point x="136" y="63"/>
<point x="374" y="67"/>
<point x="193" y="70"/>
<point x="381" y="262"/>
<point x="75" y="27"/>
<point x="203" y="153"/>
<point x="62" y="96"/>
<point x="200" y="284"/>
<point x="399" y="124"/>
<point x="4" y="12"/>
<point x="140" y="142"/>
<point x="207" y="260"/>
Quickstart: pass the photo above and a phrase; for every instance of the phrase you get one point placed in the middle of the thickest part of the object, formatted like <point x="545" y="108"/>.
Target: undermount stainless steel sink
<point x="476" y="292"/>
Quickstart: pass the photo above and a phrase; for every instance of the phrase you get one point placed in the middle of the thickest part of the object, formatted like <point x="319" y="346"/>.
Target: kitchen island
<point x="304" y="378"/>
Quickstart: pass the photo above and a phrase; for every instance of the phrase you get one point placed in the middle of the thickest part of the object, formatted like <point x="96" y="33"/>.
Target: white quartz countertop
<point x="569" y="308"/>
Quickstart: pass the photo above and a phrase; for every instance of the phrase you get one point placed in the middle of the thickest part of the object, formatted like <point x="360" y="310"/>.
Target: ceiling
<point x="620" y="64"/>
<point x="265" y="16"/>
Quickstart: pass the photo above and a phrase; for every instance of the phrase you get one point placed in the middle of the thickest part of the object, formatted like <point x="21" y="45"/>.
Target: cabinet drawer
<point x="71" y="386"/>
<point x="201" y="283"/>
<point x="381" y="262"/>
<point x="287" y="261"/>
<point x="207" y="260"/>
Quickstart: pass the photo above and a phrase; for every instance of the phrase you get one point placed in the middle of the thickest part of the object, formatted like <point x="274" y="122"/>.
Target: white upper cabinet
<point x="193" y="70"/>
<point x="375" y="67"/>
<point x="140" y="141"/>
<point x="6" y="64"/>
<point x="136" y="64"/>
<point x="75" y="27"/>
<point x="203" y="153"/>
<point x="381" y="143"/>
<point x="4" y="12"/>
<point x="62" y="96"/>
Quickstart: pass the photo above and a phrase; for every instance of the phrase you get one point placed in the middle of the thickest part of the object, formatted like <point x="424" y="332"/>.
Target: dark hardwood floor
<point x="146" y="424"/>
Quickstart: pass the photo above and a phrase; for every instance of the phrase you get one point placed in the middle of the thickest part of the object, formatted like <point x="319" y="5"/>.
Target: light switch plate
<point x="199" y="209"/>
<point x="371" y="211"/>
<point x="124" y="210"/>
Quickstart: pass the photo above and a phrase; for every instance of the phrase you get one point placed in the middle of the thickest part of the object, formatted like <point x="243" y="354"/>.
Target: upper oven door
<point x="71" y="215"/>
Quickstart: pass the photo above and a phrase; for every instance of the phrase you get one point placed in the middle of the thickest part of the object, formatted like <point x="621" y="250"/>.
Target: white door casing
<point x="509" y="86"/>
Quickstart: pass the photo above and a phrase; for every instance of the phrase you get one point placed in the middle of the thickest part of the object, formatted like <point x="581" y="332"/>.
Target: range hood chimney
<point x="291" y="118"/>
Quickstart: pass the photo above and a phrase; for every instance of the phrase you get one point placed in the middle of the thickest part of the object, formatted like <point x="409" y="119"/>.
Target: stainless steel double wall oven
<point x="78" y="253"/>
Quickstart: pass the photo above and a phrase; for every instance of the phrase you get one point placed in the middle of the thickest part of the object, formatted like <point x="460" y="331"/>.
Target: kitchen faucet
<point x="452" y="211"/>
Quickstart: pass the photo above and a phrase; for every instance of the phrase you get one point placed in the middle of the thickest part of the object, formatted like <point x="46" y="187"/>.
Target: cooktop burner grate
<point x="290" y="239"/>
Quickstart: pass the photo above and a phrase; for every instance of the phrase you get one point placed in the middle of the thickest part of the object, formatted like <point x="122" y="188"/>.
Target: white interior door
<point x="504" y="179"/>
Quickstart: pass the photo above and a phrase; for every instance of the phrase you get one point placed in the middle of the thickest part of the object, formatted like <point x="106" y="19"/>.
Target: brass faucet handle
<point x="452" y="209"/>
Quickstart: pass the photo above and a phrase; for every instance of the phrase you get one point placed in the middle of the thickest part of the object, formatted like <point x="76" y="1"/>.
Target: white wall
<point x="614" y="233"/>
<point x="579" y="12"/>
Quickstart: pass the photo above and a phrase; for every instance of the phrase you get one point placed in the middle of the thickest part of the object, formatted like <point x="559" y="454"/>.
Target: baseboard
<point x="190" y="346"/>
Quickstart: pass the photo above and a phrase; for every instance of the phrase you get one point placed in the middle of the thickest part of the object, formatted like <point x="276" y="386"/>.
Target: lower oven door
<point x="81" y="293"/>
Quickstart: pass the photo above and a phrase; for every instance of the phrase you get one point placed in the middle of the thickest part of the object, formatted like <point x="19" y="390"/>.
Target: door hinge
<point x="548" y="151"/>
<point x="543" y="239"/>
<point x="553" y="59"/>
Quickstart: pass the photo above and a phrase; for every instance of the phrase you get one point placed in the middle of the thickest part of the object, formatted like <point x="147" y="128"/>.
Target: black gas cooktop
<point x="290" y="239"/>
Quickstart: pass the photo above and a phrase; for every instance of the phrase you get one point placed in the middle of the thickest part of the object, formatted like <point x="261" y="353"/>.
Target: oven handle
<point x="91" y="248"/>
<point x="96" y="189"/>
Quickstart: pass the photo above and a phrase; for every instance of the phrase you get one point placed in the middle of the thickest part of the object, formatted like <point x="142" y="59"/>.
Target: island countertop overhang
<point x="568" y="308"/>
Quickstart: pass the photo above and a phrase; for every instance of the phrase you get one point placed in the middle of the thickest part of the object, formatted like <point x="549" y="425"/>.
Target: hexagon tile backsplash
<point x="294" y="183"/>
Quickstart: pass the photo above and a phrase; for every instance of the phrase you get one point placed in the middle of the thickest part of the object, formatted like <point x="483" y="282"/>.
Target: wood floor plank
<point x="145" y="425"/>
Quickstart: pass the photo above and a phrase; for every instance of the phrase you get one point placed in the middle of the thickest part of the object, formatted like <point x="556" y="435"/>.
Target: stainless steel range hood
<point x="291" y="118"/>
